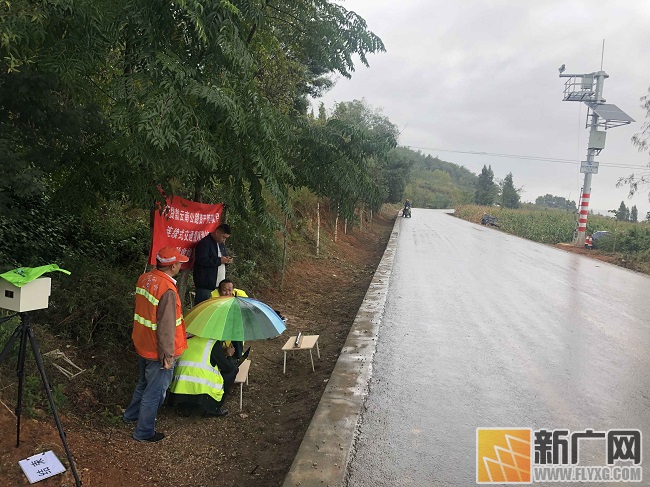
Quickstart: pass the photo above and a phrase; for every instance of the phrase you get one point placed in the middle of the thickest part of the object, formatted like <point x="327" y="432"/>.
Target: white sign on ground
<point x="41" y="466"/>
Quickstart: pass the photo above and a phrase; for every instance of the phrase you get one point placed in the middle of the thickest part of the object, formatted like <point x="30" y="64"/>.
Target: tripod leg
<point x="20" y="371"/>
<point x="10" y="342"/>
<point x="46" y="384"/>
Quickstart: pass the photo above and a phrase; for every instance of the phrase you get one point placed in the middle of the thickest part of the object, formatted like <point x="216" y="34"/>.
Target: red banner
<point x="182" y="224"/>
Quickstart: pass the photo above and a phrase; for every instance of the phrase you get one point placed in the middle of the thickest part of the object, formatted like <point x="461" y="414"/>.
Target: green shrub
<point x="35" y="398"/>
<point x="113" y="234"/>
<point x="35" y="235"/>
<point x="257" y="252"/>
<point x="635" y="239"/>
<point x="94" y="303"/>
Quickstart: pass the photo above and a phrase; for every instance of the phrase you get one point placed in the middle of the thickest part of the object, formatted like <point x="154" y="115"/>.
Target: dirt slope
<point x="251" y="448"/>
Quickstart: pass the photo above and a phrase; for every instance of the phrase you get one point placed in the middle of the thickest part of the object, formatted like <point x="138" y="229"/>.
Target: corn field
<point x="552" y="226"/>
<point x="545" y="225"/>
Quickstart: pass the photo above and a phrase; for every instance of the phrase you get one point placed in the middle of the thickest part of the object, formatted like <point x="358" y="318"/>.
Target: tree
<point x="634" y="214"/>
<point x="109" y="100"/>
<point x="642" y="142"/>
<point x="550" y="201"/>
<point x="396" y="173"/>
<point x="509" y="194"/>
<point x="189" y="95"/>
<point x="486" y="189"/>
<point x="432" y="182"/>
<point x="322" y="113"/>
<point x="622" y="214"/>
<point x="344" y="157"/>
<point x="383" y="134"/>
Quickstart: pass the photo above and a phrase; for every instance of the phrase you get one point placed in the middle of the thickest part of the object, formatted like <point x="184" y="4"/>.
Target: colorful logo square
<point x="503" y="455"/>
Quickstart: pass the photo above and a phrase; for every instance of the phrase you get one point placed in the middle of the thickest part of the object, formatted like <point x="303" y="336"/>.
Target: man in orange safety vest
<point x="159" y="339"/>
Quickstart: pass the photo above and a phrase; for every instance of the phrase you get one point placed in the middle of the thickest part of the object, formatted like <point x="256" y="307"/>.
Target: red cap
<point x="170" y="255"/>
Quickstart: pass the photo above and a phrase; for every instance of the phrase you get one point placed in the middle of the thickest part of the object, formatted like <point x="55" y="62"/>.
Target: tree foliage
<point x="509" y="194"/>
<point x="462" y="176"/>
<point x="434" y="183"/>
<point x="343" y="157"/>
<point x="486" y="188"/>
<point x="642" y="142"/>
<point x="130" y="95"/>
<point x="623" y="212"/>
<point x="103" y="102"/>
<point x="551" y="201"/>
<point x="380" y="136"/>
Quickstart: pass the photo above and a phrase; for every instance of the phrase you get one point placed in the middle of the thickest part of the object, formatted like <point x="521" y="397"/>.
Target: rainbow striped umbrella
<point x="233" y="318"/>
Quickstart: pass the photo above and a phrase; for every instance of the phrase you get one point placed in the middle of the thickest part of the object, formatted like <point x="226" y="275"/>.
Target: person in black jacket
<point x="210" y="262"/>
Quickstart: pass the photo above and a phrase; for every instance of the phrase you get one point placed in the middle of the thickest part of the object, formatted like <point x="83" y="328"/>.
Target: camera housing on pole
<point x="588" y="89"/>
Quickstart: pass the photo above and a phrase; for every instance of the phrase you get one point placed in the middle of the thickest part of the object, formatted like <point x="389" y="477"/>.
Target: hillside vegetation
<point x="435" y="183"/>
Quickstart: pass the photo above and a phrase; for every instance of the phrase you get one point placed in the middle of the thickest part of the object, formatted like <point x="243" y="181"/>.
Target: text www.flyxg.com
<point x="587" y="474"/>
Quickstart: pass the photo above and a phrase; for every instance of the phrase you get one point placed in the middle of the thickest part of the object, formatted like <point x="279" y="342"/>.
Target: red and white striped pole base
<point x="582" y="219"/>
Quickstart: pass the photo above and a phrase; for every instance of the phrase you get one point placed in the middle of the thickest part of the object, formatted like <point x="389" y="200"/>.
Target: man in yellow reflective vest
<point x="227" y="288"/>
<point x="203" y="375"/>
<point x="159" y="339"/>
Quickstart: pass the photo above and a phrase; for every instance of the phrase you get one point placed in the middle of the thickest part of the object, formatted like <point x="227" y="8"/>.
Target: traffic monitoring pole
<point x="588" y="88"/>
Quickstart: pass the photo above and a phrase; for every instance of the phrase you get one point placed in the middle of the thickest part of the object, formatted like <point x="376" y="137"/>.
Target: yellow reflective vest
<point x="238" y="293"/>
<point x="193" y="373"/>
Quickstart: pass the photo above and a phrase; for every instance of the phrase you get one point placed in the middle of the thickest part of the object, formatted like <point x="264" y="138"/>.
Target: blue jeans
<point x="148" y="396"/>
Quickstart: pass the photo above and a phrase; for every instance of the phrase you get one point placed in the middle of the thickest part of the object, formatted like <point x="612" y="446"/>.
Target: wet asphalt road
<point x="484" y="329"/>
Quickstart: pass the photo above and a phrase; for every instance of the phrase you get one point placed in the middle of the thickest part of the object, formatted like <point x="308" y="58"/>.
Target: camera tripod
<point x="25" y="332"/>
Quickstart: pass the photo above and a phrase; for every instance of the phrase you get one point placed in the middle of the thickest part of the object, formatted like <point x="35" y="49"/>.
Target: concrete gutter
<point x="324" y="453"/>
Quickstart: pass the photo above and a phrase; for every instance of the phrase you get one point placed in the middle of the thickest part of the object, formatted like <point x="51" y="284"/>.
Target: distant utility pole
<point x="588" y="88"/>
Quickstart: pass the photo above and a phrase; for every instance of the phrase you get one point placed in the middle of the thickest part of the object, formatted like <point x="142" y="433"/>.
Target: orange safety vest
<point x="149" y="289"/>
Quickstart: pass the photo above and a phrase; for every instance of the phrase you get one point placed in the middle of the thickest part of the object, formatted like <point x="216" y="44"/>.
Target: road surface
<point x="486" y="330"/>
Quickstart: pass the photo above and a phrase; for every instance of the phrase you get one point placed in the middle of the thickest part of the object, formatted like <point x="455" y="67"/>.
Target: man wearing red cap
<point x="159" y="339"/>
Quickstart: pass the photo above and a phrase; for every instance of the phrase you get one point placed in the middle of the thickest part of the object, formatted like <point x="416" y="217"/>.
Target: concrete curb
<point x="325" y="450"/>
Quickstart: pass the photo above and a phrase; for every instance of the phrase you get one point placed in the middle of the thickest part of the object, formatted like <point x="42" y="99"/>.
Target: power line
<point x="528" y="158"/>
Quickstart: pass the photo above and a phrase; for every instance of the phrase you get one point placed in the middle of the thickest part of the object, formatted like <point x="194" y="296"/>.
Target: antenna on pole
<point x="588" y="89"/>
<point x="602" y="56"/>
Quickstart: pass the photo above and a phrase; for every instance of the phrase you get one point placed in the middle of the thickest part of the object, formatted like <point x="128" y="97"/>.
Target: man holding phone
<point x="210" y="262"/>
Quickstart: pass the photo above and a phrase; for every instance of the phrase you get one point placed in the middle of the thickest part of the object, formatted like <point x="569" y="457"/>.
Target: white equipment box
<point x="31" y="296"/>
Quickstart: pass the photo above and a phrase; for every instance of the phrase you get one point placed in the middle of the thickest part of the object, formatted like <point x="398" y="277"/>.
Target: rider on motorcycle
<point x="407" y="208"/>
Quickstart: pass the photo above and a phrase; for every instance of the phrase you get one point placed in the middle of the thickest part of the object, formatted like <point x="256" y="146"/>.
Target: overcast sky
<point x="482" y="76"/>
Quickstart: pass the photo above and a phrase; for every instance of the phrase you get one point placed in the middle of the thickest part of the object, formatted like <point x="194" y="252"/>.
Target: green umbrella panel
<point x="234" y="318"/>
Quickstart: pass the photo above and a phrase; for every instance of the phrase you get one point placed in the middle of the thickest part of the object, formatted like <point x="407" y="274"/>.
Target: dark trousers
<point x="201" y="294"/>
<point x="228" y="380"/>
<point x="239" y="349"/>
